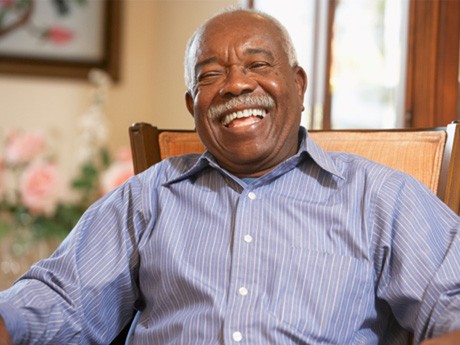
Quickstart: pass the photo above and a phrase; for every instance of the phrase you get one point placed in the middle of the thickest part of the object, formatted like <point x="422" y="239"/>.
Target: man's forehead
<point x="253" y="41"/>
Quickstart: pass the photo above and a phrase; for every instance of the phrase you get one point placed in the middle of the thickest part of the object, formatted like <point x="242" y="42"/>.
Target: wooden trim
<point x="408" y="111"/>
<point x="144" y="146"/>
<point x="423" y="64"/>
<point x="433" y="59"/>
<point x="144" y="142"/>
<point x="112" y="62"/>
<point x="448" y="62"/>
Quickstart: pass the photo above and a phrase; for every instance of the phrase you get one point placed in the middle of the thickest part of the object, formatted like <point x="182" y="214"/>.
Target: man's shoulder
<point x="350" y="164"/>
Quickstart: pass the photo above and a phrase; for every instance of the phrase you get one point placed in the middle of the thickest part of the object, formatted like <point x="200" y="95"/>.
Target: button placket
<point x="242" y="276"/>
<point x="248" y="238"/>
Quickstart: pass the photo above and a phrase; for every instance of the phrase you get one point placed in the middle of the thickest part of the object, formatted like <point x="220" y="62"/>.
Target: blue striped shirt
<point x="327" y="248"/>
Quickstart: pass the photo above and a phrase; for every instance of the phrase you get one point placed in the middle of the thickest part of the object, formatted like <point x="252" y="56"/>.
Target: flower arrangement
<point x="36" y="195"/>
<point x="39" y="202"/>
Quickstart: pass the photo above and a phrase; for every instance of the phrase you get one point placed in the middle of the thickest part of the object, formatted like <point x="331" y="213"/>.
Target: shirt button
<point x="247" y="238"/>
<point x="237" y="336"/>
<point x="243" y="291"/>
<point x="251" y="195"/>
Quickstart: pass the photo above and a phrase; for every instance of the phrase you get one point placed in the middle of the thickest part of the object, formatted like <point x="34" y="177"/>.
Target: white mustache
<point x="264" y="101"/>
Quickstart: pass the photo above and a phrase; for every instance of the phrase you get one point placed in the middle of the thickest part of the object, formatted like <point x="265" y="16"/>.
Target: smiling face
<point x="246" y="97"/>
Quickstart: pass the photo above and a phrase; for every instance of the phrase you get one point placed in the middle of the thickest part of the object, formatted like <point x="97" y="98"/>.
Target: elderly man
<point x="263" y="239"/>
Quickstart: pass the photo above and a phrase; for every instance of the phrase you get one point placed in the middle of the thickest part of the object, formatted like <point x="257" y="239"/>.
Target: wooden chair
<point x="430" y="155"/>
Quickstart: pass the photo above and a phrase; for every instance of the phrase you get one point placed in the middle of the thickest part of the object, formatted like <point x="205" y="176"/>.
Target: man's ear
<point x="189" y="103"/>
<point x="301" y="81"/>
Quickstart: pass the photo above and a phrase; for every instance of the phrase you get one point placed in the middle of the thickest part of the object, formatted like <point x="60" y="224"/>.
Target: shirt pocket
<point x="324" y="296"/>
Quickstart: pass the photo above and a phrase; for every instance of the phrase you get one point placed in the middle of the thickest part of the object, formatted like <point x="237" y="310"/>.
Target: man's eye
<point x="259" y="65"/>
<point x="208" y="76"/>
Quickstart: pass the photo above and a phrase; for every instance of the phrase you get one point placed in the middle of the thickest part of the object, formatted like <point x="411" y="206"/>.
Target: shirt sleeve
<point x="84" y="293"/>
<point x="417" y="257"/>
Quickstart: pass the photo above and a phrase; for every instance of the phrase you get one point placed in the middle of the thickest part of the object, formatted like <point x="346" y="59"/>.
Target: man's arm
<point x="4" y="335"/>
<point x="88" y="286"/>
<point x="419" y="245"/>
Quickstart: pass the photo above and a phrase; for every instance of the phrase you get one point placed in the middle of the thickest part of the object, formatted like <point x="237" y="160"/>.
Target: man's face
<point x="246" y="99"/>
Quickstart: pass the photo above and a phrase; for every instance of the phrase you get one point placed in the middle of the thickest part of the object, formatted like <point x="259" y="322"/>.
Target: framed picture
<point x="60" y="38"/>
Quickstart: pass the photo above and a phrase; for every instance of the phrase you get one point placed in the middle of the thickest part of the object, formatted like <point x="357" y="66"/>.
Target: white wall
<point x="151" y="88"/>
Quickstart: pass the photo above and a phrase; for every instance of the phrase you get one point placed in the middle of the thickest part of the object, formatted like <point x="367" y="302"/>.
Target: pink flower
<point x="59" y="35"/>
<point x="124" y="155"/>
<point x="6" y="3"/>
<point x="23" y="147"/>
<point x="116" y="175"/>
<point x="40" y="188"/>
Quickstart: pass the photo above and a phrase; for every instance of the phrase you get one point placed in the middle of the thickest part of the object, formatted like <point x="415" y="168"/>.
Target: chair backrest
<point x="430" y="155"/>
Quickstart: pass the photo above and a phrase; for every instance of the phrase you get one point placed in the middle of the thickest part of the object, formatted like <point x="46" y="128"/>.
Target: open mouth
<point x="244" y="117"/>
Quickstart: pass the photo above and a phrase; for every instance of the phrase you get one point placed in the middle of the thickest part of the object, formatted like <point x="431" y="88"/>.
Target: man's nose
<point x="237" y="82"/>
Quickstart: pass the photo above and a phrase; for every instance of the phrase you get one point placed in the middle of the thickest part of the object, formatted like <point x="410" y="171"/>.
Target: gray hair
<point x="189" y="72"/>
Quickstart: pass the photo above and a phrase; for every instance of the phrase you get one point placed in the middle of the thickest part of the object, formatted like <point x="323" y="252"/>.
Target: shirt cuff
<point x="14" y="322"/>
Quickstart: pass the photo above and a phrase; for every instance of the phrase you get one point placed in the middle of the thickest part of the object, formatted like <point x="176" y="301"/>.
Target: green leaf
<point x="3" y="13"/>
<point x="4" y="228"/>
<point x="105" y="158"/>
<point x="22" y="4"/>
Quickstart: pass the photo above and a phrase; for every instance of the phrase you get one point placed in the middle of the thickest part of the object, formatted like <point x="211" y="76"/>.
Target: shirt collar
<point x="319" y="156"/>
<point x="307" y="149"/>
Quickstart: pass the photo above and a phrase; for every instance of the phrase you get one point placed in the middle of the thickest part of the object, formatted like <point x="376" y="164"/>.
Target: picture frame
<point x="93" y="42"/>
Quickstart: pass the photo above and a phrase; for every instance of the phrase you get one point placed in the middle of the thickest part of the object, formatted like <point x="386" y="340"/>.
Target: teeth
<point x="243" y="113"/>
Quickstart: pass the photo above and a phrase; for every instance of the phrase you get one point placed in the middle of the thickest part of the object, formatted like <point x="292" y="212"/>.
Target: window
<point x="368" y="69"/>
<point x="354" y="52"/>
